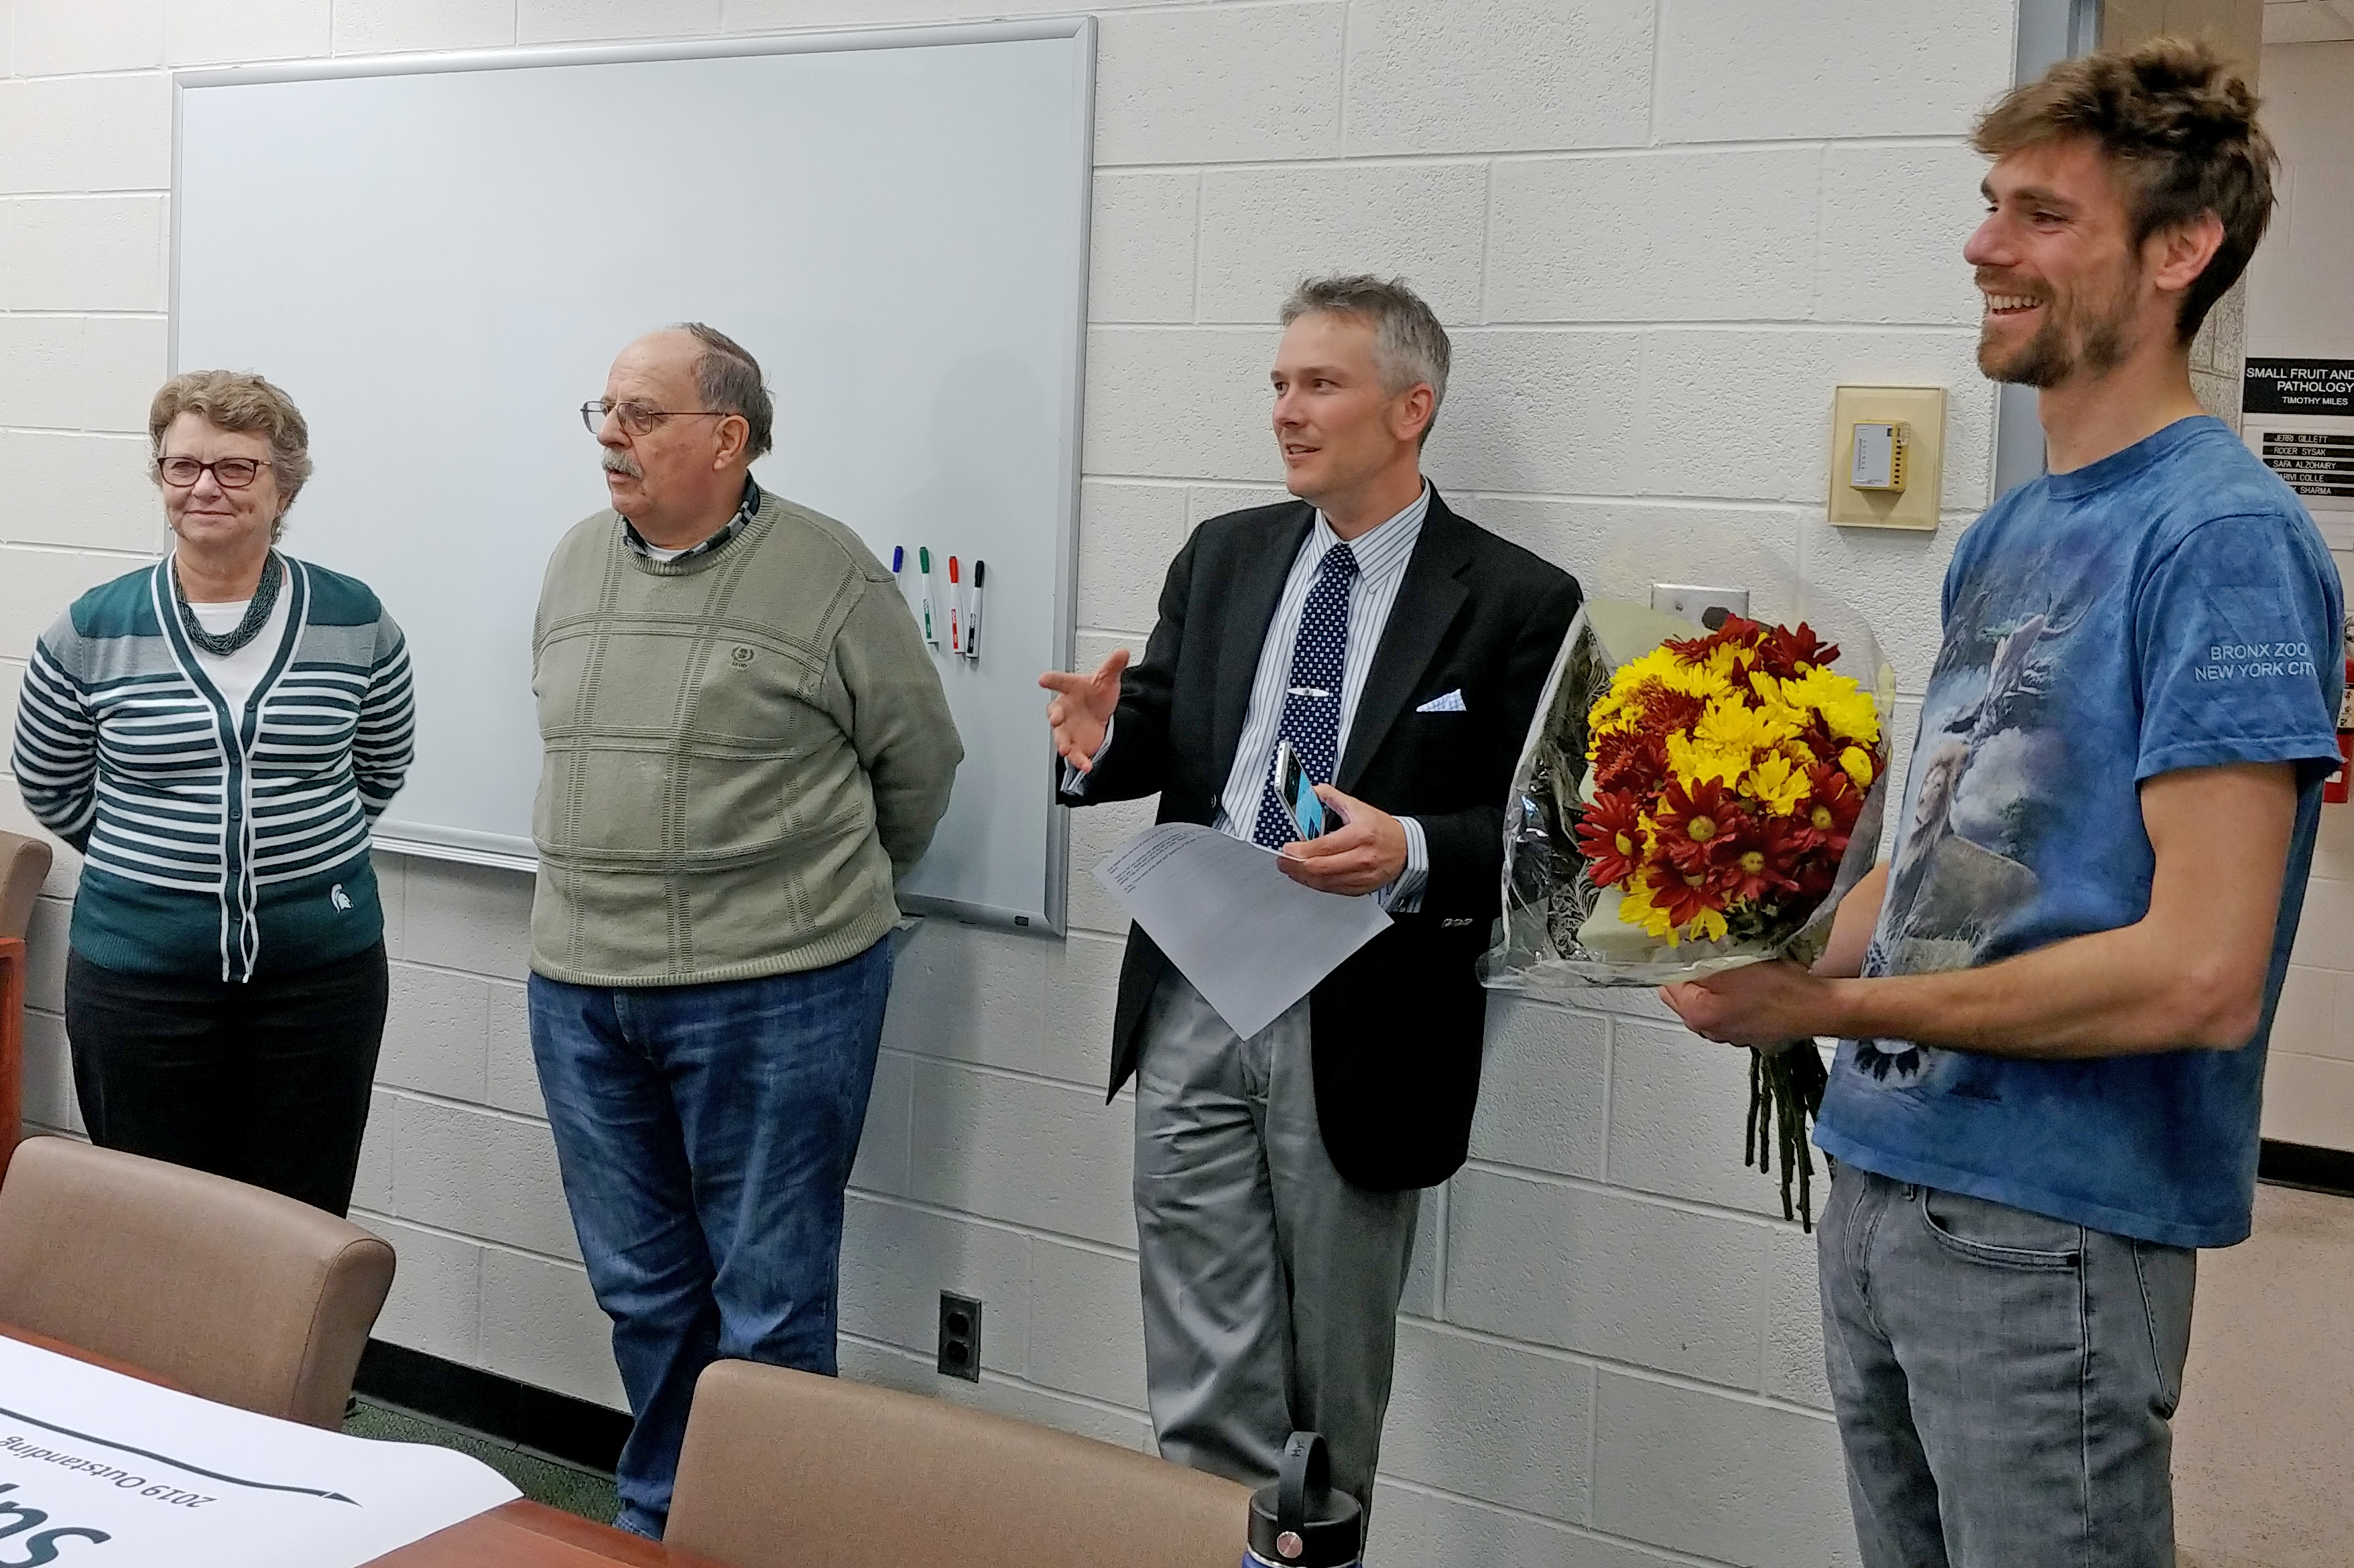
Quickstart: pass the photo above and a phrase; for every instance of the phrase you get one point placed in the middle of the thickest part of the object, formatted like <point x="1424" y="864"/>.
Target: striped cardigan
<point x="224" y="842"/>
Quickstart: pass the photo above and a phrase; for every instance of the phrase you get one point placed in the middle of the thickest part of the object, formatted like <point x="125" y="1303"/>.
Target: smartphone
<point x="1297" y="793"/>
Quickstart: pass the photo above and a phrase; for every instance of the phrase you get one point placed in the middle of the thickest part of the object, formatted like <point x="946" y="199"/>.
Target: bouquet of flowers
<point x="1689" y="800"/>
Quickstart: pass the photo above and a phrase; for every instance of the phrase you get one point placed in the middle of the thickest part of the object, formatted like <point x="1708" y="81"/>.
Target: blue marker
<point x="898" y="558"/>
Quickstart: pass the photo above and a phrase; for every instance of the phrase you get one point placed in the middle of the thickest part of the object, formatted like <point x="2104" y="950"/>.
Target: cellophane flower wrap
<point x="1688" y="801"/>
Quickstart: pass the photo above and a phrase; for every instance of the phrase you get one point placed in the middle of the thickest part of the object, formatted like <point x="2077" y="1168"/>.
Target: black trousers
<point x="265" y="1081"/>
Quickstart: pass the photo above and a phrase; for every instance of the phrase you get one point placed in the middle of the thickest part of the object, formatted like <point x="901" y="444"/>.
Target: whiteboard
<point x="438" y="257"/>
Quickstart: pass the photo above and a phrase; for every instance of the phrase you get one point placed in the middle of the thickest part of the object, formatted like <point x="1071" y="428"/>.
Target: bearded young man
<point x="2050" y="1069"/>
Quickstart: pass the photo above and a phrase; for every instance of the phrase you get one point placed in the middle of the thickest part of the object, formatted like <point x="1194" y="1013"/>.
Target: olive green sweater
<point x="743" y="749"/>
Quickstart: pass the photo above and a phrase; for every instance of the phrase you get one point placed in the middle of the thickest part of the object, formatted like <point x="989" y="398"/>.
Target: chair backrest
<point x="787" y="1470"/>
<point x="24" y="866"/>
<point x="233" y="1293"/>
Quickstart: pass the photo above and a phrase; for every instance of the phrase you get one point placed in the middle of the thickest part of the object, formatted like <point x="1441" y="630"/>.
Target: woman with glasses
<point x="216" y="733"/>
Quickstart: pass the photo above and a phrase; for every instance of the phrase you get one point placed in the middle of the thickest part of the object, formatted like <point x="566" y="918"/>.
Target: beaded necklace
<point x="256" y="613"/>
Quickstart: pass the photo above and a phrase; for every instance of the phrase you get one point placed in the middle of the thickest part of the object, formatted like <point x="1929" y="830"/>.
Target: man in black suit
<point x="1400" y="650"/>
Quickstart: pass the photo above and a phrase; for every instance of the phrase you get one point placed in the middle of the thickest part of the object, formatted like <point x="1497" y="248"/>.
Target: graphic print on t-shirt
<point x="1989" y="754"/>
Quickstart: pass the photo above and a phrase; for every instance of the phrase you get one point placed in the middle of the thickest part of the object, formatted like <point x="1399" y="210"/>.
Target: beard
<point x="2092" y="339"/>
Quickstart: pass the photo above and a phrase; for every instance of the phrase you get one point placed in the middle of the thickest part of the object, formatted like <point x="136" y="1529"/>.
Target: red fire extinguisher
<point x="2334" y="793"/>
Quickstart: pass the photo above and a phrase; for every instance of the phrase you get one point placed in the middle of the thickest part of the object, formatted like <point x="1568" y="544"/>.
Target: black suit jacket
<point x="1397" y="1030"/>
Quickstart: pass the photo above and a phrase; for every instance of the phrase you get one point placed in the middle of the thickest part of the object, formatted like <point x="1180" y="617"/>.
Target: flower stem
<point x="1786" y="1090"/>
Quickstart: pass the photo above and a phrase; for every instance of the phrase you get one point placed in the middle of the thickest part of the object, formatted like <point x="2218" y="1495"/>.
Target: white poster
<point x="99" y="1470"/>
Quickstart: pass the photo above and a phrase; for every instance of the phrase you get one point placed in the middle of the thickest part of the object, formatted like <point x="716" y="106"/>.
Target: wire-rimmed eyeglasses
<point x="637" y="418"/>
<point x="229" y="473"/>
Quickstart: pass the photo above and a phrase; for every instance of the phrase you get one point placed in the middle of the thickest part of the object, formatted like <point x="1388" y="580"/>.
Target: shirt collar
<point x="1382" y="548"/>
<point x="746" y="510"/>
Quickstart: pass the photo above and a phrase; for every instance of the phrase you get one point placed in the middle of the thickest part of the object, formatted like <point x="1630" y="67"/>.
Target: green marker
<point x="924" y="566"/>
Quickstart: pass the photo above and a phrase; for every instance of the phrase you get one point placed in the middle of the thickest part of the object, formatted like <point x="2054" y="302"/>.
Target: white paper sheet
<point x="99" y="1470"/>
<point x="1252" y="941"/>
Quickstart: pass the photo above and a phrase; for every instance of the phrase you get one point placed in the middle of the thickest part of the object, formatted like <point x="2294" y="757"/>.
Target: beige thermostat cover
<point x="1914" y="506"/>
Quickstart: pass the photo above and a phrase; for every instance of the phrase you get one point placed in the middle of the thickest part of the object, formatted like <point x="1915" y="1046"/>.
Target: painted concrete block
<point x="1500" y="1422"/>
<point x="1087" y="1323"/>
<point x="86" y="133"/>
<point x="1544" y="411"/>
<point x="1219" y="84"/>
<point x="1141" y="241"/>
<point x="541" y="1326"/>
<point x="1732" y="237"/>
<point x="973" y="994"/>
<point x="1793" y="1323"/>
<point x="1719" y="1477"/>
<point x="437" y="1033"/>
<point x="436" y="1305"/>
<point x="80" y="492"/>
<point x="215" y="32"/>
<point x="1266" y="227"/>
<point x="2320" y="930"/>
<point x="1762" y="400"/>
<point x="482" y="1174"/>
<point x="1096" y="832"/>
<point x="82" y="253"/>
<point x="1541" y="1088"/>
<point x="563" y="21"/>
<point x="1894" y="220"/>
<point x="79" y="372"/>
<point x="882" y="1155"/>
<point x="372" y="1189"/>
<point x="772" y="16"/>
<point x="48" y="1074"/>
<point x="1889" y="577"/>
<point x="1425" y="1295"/>
<point x="1619" y="548"/>
<point x="1414" y="1526"/>
<point x="472" y="917"/>
<point x="1606" y="1275"/>
<point x="1024" y="1151"/>
<point x="1128" y="534"/>
<point x="1730" y="71"/>
<point x="58" y="37"/>
<point x="1458" y="76"/>
<point x="896" y="1261"/>
<point x="391" y="894"/>
<point x="36" y="586"/>
<point x="1181" y="403"/>
<point x="45" y="955"/>
<point x="512" y="1079"/>
<point x="389" y="27"/>
<point x="1677" y="1105"/>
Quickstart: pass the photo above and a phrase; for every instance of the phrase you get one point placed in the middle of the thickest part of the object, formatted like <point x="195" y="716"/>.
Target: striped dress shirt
<point x="218" y="838"/>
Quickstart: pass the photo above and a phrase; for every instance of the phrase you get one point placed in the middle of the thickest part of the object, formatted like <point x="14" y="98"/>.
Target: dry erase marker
<point x="956" y="610"/>
<point x="972" y="615"/>
<point x="924" y="566"/>
<point x="898" y="558"/>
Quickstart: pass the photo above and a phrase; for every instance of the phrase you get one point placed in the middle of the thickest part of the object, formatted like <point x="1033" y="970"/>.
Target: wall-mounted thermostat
<point x="1887" y="444"/>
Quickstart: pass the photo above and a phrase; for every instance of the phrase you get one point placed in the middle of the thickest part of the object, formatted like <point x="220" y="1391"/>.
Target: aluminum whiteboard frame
<point x="511" y="855"/>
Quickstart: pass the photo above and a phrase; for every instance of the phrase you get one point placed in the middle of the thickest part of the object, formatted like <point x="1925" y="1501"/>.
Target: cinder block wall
<point x="1660" y="232"/>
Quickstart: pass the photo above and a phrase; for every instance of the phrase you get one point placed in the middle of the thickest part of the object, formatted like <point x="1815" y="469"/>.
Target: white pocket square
<point x="1452" y="702"/>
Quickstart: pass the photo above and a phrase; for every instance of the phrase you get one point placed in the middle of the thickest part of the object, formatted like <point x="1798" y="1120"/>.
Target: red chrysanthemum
<point x="1610" y="836"/>
<point x="1830" y="811"/>
<point x="1635" y="762"/>
<point x="1683" y="895"/>
<point x="1760" y="862"/>
<point x="1689" y="822"/>
<point x="1784" y="653"/>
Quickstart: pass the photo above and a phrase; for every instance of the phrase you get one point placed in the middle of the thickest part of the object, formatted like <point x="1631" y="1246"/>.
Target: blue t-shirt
<point x="2171" y="606"/>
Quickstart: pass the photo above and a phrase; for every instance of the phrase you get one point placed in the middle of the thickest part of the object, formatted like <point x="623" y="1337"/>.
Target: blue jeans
<point x="705" y="1133"/>
<point x="2004" y="1380"/>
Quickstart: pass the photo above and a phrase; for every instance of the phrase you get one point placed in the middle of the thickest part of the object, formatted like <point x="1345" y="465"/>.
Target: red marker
<point x="956" y="607"/>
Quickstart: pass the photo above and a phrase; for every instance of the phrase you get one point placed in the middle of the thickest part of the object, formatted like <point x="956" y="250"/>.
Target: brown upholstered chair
<point x="24" y="866"/>
<point x="236" y="1294"/>
<point x="787" y="1470"/>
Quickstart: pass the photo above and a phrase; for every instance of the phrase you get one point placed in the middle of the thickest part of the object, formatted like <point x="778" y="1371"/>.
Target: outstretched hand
<point x="1082" y="707"/>
<point x="1363" y="855"/>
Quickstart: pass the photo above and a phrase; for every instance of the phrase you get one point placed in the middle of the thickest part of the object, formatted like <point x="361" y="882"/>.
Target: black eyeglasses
<point x="229" y="473"/>
<point x="638" y="420"/>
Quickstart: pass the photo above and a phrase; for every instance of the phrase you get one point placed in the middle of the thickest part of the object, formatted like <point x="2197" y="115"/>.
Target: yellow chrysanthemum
<point x="1777" y="785"/>
<point x="1857" y="763"/>
<point x="1847" y="708"/>
<point x="1694" y="761"/>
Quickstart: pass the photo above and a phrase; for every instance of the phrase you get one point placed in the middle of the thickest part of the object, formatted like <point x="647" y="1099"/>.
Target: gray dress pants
<point x="1271" y="1284"/>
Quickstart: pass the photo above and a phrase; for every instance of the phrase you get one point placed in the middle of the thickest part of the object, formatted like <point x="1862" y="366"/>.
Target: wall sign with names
<point x="2297" y="415"/>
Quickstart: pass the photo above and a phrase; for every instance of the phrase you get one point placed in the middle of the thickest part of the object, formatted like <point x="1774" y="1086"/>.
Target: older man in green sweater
<point x="746" y="743"/>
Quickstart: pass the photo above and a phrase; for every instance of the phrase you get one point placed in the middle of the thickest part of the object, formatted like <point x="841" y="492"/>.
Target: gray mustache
<point x="623" y="463"/>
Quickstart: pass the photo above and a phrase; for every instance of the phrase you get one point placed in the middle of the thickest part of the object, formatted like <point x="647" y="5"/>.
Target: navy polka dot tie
<point x="1311" y="704"/>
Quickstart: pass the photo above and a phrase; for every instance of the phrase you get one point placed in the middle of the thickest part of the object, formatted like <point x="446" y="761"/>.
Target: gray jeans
<point x="1271" y="1283"/>
<point x="2003" y="1380"/>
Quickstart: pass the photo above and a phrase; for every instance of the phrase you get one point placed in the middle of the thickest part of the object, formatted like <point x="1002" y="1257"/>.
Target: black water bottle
<point x="1300" y="1522"/>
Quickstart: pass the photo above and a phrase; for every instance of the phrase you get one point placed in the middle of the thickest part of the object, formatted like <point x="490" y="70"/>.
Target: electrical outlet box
<point x="1887" y="455"/>
<point x="959" y="1336"/>
<point x="1705" y="607"/>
